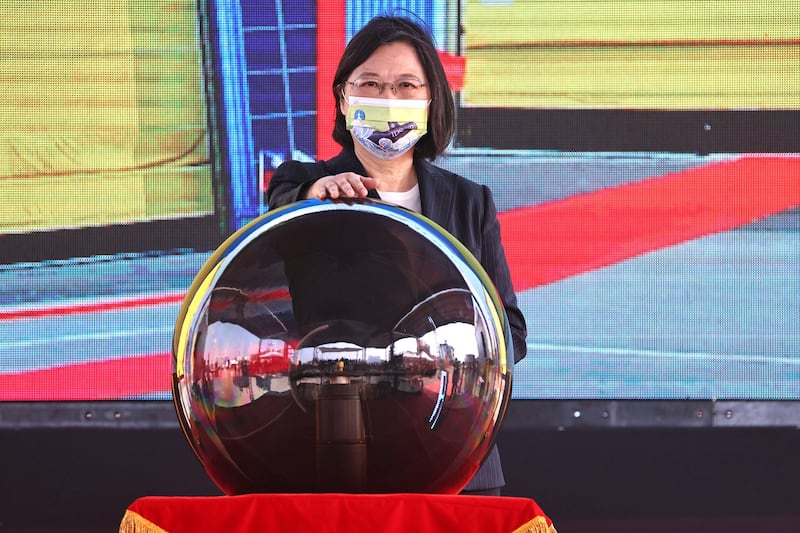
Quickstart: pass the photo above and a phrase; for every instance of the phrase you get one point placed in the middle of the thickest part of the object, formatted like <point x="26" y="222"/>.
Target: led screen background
<point x="656" y="274"/>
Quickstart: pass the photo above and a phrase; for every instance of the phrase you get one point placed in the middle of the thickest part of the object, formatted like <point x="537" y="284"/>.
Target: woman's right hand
<point x="344" y="185"/>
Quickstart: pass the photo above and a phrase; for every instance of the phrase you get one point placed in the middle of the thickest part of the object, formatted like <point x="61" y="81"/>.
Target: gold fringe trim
<point x="536" y="525"/>
<point x="133" y="522"/>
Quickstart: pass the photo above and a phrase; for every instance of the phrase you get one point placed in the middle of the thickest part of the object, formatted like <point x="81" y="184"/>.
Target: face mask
<point x="387" y="128"/>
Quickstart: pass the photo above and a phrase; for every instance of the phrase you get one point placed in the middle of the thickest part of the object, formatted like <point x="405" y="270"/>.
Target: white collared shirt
<point x="409" y="199"/>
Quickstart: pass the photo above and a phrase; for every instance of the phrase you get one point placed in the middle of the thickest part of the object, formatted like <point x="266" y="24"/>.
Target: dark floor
<point x="80" y="480"/>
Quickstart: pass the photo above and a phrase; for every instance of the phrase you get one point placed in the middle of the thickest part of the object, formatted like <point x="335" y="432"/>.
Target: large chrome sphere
<point x="341" y="347"/>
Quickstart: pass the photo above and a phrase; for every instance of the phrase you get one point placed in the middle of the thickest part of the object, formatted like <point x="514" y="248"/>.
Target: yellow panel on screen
<point x="634" y="54"/>
<point x="103" y="113"/>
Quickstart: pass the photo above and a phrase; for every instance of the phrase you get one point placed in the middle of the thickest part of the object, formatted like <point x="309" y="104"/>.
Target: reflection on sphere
<point x="341" y="347"/>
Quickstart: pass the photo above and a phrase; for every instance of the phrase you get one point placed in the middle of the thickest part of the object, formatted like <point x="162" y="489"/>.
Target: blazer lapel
<point x="435" y="195"/>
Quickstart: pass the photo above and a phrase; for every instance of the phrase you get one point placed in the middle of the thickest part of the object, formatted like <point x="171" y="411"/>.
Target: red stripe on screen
<point x="112" y="379"/>
<point x="331" y="36"/>
<point x="91" y="307"/>
<point x="123" y="303"/>
<point x="559" y="239"/>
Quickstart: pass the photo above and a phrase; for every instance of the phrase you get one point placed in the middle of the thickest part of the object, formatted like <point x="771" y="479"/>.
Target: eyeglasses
<point x="408" y="88"/>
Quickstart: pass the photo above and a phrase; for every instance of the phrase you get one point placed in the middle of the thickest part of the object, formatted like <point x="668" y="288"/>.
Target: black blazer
<point x="462" y="207"/>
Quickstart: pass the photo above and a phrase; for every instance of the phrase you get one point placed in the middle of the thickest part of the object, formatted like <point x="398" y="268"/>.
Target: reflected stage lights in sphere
<point x="341" y="347"/>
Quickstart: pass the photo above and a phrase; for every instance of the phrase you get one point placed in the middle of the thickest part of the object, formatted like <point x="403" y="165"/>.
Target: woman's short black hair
<point x="391" y="29"/>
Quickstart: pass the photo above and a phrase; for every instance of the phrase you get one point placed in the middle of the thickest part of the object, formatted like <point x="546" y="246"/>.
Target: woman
<point x="395" y="114"/>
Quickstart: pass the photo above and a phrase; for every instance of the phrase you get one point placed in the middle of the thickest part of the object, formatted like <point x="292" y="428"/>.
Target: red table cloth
<point x="319" y="513"/>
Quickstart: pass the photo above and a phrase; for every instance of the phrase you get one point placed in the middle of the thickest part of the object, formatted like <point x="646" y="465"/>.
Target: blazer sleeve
<point x="290" y="181"/>
<point x="493" y="259"/>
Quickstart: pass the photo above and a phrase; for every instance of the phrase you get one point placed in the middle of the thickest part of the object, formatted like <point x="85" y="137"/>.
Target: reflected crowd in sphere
<point x="341" y="347"/>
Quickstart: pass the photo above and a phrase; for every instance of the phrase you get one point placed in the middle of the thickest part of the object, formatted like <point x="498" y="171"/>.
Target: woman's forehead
<point x="396" y="59"/>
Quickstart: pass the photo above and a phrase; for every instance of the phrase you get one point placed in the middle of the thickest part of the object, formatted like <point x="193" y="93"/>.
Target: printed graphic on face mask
<point x="387" y="128"/>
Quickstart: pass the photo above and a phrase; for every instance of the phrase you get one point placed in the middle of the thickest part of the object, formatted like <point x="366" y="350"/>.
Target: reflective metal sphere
<point x="341" y="347"/>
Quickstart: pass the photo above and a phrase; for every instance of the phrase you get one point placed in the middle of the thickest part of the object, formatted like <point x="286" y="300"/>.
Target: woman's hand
<point x="345" y="185"/>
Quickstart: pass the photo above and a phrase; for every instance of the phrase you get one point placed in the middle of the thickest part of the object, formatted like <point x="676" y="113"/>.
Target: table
<point x="320" y="513"/>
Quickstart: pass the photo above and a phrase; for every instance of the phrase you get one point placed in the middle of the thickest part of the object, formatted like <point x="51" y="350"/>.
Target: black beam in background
<point x="195" y="233"/>
<point x="590" y="130"/>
